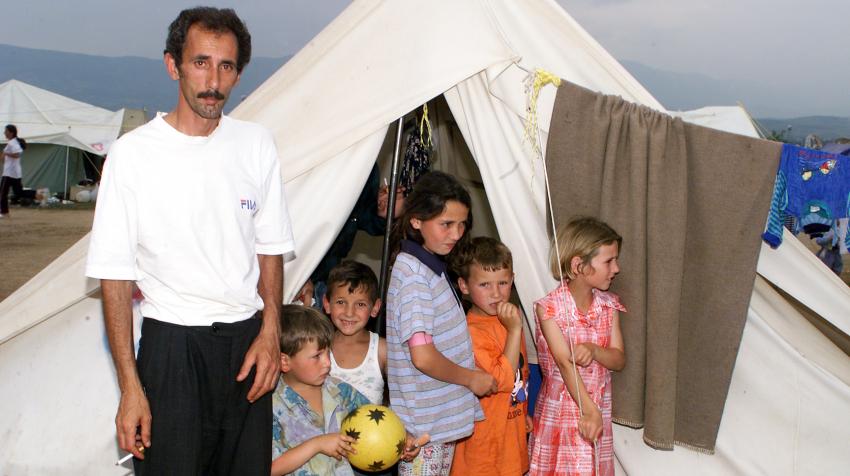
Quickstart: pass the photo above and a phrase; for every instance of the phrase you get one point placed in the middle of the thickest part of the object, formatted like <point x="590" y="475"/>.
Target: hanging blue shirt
<point x="809" y="183"/>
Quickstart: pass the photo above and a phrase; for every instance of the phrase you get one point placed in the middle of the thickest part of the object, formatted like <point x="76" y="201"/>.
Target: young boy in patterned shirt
<point x="308" y="406"/>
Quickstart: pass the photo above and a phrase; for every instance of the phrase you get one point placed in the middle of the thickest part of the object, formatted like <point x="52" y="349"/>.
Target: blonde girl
<point x="579" y="342"/>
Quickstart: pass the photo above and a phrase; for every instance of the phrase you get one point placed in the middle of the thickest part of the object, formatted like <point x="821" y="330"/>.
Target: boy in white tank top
<point x="358" y="356"/>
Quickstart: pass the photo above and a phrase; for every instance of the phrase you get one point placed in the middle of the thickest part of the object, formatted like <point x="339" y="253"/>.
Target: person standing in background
<point x="11" y="168"/>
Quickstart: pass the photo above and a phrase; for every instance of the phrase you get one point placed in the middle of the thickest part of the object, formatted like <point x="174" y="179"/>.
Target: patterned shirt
<point x="294" y="422"/>
<point x="420" y="299"/>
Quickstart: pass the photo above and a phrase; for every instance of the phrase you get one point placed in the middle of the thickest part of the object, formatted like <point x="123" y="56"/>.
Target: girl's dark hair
<point x="13" y="129"/>
<point x="427" y="200"/>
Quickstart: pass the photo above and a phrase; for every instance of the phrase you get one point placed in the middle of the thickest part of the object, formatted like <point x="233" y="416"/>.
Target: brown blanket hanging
<point x="690" y="203"/>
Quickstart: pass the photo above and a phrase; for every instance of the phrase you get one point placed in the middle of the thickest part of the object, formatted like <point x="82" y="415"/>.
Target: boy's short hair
<point x="302" y="324"/>
<point x="489" y="253"/>
<point x="356" y="275"/>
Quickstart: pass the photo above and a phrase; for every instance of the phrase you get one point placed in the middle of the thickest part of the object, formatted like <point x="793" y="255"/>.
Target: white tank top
<point x="366" y="378"/>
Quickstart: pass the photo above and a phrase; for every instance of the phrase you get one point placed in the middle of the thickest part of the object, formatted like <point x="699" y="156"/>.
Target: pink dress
<point x="556" y="447"/>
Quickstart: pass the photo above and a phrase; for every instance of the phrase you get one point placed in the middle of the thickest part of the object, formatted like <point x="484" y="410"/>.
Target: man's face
<point x="208" y="71"/>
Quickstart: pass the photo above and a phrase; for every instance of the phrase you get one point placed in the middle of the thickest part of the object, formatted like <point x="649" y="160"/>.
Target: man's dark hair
<point x="217" y="20"/>
<point x="356" y="276"/>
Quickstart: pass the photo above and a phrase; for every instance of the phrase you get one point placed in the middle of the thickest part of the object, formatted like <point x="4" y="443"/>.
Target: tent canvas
<point x="64" y="134"/>
<point x="329" y="109"/>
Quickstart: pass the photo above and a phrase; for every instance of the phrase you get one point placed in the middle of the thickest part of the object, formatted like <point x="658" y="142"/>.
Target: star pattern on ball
<point x="399" y="448"/>
<point x="376" y="466"/>
<point x="352" y="433"/>
<point x="376" y="415"/>
<point x="351" y="415"/>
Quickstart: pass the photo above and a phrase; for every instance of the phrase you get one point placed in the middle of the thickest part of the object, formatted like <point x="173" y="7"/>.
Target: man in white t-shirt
<point x="11" y="179"/>
<point x="191" y="208"/>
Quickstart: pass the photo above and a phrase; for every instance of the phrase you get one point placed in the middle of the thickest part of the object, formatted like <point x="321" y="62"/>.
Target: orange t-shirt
<point x="498" y="445"/>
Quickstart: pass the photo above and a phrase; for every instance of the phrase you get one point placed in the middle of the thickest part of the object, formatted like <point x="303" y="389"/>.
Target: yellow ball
<point x="379" y="437"/>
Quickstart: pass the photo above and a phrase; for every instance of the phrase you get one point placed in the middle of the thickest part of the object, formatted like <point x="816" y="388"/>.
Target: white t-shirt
<point x="11" y="165"/>
<point x="185" y="217"/>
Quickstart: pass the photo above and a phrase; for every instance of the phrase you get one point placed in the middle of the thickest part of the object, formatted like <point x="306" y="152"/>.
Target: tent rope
<point x="424" y="124"/>
<point x="540" y="79"/>
<point x="534" y="82"/>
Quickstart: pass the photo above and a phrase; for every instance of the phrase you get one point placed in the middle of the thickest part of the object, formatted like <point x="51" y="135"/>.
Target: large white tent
<point x="788" y="409"/>
<point x="60" y="131"/>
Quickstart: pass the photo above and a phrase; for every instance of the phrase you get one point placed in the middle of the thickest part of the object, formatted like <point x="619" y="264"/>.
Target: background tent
<point x="330" y="109"/>
<point x="725" y="118"/>
<point x="840" y="148"/>
<point x="66" y="138"/>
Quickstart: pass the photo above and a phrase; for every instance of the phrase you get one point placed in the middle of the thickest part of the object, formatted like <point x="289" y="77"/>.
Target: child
<point x="578" y="330"/>
<point x="432" y="376"/>
<point x="358" y="356"/>
<point x="309" y="407"/>
<point x="498" y="444"/>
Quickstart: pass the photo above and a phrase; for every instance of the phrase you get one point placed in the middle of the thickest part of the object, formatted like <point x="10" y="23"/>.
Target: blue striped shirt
<point x="420" y="300"/>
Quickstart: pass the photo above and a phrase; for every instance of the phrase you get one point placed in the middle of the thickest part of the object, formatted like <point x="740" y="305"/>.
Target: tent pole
<point x="65" y="191"/>
<point x="382" y="284"/>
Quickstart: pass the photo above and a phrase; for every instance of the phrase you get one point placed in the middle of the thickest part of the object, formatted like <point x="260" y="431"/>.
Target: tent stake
<point x="390" y="212"/>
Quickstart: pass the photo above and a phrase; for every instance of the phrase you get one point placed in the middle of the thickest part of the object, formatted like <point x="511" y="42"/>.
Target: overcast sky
<point x="798" y="47"/>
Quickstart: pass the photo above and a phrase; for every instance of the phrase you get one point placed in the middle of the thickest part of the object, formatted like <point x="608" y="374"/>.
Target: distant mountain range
<point x="114" y="82"/>
<point x="686" y="91"/>
<point x="141" y="83"/>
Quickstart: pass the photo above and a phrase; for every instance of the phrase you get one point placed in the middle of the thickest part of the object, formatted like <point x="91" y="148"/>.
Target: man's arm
<point x="265" y="350"/>
<point x="133" y="410"/>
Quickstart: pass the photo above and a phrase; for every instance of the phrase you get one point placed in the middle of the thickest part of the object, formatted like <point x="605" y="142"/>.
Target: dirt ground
<point x="31" y="238"/>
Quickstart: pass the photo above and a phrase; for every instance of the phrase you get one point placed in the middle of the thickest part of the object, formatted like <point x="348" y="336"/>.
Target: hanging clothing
<point x="830" y="251"/>
<point x="417" y="161"/>
<point x="676" y="192"/>
<point x="813" y="186"/>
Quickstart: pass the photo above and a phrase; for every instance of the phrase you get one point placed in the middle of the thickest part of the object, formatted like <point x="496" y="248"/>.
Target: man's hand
<point x="265" y="354"/>
<point x="583" y="354"/>
<point x="384" y="201"/>
<point x="133" y="423"/>
<point x="305" y="294"/>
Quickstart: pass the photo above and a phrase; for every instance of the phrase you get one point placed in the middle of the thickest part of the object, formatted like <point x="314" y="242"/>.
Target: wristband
<point x="419" y="338"/>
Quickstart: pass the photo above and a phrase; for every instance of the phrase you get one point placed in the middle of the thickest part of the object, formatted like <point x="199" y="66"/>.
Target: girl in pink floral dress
<point x="578" y="341"/>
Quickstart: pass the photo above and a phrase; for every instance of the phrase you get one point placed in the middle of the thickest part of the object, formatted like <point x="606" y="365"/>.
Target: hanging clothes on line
<point x="811" y="185"/>
<point x="417" y="155"/>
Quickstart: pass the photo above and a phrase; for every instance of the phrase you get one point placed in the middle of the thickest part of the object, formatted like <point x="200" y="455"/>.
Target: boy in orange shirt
<point x="498" y="443"/>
